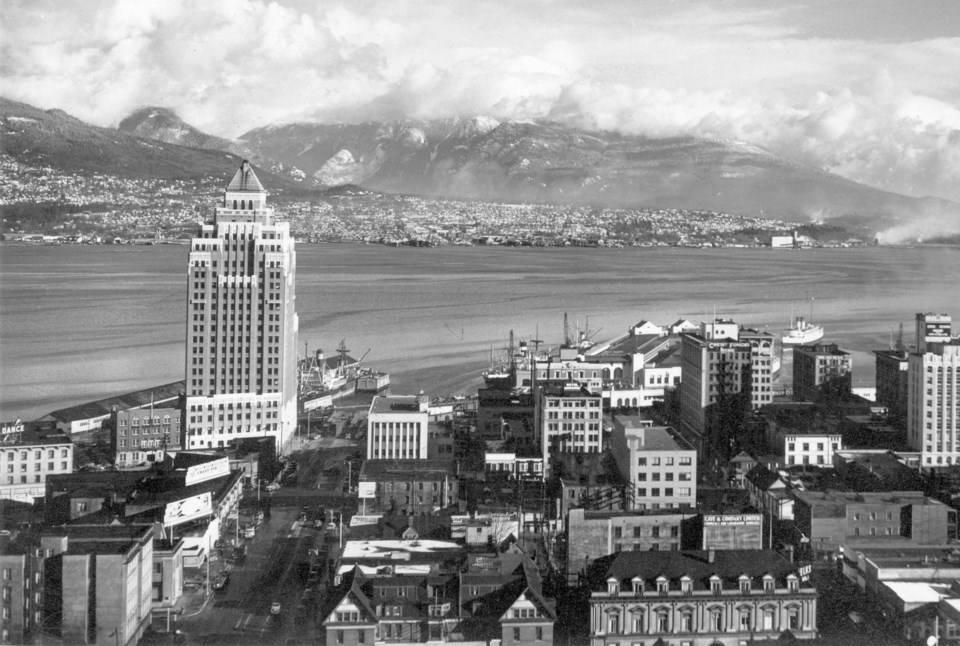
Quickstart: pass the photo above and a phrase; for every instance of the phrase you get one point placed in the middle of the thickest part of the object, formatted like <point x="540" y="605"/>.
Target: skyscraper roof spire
<point x="245" y="180"/>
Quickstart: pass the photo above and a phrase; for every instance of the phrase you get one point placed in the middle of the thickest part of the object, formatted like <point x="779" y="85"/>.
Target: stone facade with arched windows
<point x="700" y="598"/>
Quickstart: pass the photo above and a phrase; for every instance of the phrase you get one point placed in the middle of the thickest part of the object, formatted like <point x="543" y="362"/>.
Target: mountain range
<point x="477" y="158"/>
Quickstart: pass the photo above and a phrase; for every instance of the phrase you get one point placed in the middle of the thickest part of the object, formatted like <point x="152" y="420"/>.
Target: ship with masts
<point x="323" y="379"/>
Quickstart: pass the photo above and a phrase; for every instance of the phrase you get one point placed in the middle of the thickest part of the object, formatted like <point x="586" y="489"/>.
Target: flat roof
<point x="396" y="404"/>
<point x="399" y="550"/>
<point x="406" y="469"/>
<point x="914" y="591"/>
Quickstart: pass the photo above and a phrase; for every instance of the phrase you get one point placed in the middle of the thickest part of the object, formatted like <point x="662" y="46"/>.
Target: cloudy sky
<point x="869" y="89"/>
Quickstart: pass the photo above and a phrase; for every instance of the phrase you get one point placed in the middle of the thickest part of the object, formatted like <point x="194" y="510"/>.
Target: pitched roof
<point x="245" y="180"/>
<point x="729" y="565"/>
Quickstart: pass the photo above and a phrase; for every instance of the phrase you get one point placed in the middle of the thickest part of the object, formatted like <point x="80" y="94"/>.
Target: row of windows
<point x="683" y="476"/>
<point x="668" y="461"/>
<point x="37" y="454"/>
<point x="38" y="466"/>
<point x="667" y="492"/>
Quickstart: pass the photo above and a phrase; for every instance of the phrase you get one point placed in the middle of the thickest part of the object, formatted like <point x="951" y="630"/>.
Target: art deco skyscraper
<point x="241" y="362"/>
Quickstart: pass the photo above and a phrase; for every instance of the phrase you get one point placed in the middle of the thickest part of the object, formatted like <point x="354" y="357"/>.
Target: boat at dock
<point x="801" y="330"/>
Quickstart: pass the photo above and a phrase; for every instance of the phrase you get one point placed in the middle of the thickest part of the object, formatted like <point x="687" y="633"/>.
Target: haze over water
<point x="78" y="323"/>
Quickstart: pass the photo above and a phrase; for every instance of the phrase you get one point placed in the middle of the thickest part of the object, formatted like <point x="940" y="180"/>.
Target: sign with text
<point x="15" y="427"/>
<point x="208" y="471"/>
<point x="727" y="520"/>
<point x="182" y="511"/>
<point x="367" y="489"/>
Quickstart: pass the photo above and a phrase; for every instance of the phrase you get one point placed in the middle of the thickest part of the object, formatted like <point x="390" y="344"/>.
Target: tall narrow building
<point x="726" y="371"/>
<point x="241" y="362"/>
<point x="933" y="403"/>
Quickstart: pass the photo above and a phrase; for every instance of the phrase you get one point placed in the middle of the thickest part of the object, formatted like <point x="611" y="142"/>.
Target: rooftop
<point x="245" y="180"/>
<point x="406" y="470"/>
<point x="834" y="503"/>
<point x="100" y="408"/>
<point x="729" y="565"/>
<point x="396" y="404"/>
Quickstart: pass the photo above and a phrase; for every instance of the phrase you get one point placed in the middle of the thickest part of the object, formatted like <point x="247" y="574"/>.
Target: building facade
<point x="726" y="372"/>
<point x="100" y="581"/>
<point x="146" y="434"/>
<point x="933" y="419"/>
<point x="407" y="486"/>
<point x="821" y="372"/>
<point x="891" y="381"/>
<point x="397" y="428"/>
<point x="21" y="589"/>
<point x="699" y="598"/>
<point x="241" y="377"/>
<point x="29" y="453"/>
<point x="659" y="465"/>
<point x="815" y="449"/>
<point x="568" y="417"/>
<point x="595" y="534"/>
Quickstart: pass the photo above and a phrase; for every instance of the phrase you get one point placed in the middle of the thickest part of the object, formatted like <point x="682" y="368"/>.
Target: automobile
<point x="273" y="486"/>
<point x="318" y="523"/>
<point x="249" y="531"/>
<point x="220" y="583"/>
<point x="239" y="553"/>
<point x="275" y="608"/>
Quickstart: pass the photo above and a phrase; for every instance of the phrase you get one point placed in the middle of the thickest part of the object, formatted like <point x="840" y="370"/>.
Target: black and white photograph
<point x="484" y="322"/>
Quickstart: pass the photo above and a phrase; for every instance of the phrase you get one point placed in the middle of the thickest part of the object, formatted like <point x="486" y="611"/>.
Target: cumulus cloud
<point x="871" y="100"/>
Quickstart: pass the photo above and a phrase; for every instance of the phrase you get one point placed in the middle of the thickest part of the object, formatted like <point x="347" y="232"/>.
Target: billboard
<point x="207" y="471"/>
<point x="187" y="509"/>
<point x="726" y="520"/>
<point x="367" y="489"/>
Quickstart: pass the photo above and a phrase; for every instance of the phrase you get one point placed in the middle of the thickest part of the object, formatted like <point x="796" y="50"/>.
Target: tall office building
<point x="726" y="371"/>
<point x="822" y="372"/>
<point x="933" y="403"/>
<point x="241" y="362"/>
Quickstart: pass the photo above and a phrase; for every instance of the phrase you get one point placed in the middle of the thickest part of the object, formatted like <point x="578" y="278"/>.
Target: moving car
<point x="220" y="583"/>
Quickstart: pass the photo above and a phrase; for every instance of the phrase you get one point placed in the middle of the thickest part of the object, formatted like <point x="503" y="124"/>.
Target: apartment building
<point x="657" y="462"/>
<point x="821" y="372"/>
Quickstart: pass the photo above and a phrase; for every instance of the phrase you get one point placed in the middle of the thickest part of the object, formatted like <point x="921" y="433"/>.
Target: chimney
<point x="711" y="556"/>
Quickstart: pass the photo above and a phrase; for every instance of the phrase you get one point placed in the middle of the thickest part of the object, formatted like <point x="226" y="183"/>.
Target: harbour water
<point x="82" y="322"/>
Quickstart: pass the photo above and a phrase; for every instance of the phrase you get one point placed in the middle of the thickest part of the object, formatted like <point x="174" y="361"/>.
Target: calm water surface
<point x="79" y="323"/>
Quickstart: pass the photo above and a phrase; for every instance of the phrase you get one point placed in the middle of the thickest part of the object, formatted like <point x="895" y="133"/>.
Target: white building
<point x="28" y="454"/>
<point x="933" y="393"/>
<point x="568" y="417"/>
<point x="241" y="377"/>
<point x="656" y="461"/>
<point x="397" y="428"/>
<point x="813" y="449"/>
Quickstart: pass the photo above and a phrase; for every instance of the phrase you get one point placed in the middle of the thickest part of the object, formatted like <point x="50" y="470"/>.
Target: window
<point x="744" y="619"/>
<point x="638" y="622"/>
<point x="361" y="636"/>
<point x="793" y="618"/>
<point x="516" y="634"/>
<point x="686" y="621"/>
<point x="613" y="623"/>
<point x="339" y="636"/>
<point x="716" y="619"/>
<point x="663" y="622"/>
<point x="539" y="634"/>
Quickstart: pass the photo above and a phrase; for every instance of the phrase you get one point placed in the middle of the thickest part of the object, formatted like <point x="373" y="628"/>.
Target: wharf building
<point x="700" y="598"/>
<point x="397" y="428"/>
<point x="822" y="372"/>
<point x="658" y="465"/>
<point x="933" y="427"/>
<point x="30" y="453"/>
<point x="241" y="362"/>
<point x="726" y="372"/>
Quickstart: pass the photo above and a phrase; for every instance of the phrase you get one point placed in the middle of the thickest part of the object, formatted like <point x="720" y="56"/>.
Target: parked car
<point x="249" y="531"/>
<point x="275" y="608"/>
<point x="220" y="583"/>
<point x="273" y="486"/>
